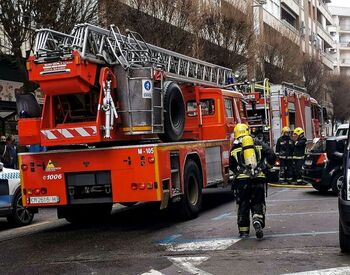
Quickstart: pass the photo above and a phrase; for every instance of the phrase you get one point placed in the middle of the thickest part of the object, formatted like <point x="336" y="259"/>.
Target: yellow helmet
<point x="241" y="130"/>
<point x="298" y="131"/>
<point x="285" y="129"/>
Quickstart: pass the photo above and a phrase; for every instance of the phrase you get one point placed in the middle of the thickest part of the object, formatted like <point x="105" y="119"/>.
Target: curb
<point x="289" y="185"/>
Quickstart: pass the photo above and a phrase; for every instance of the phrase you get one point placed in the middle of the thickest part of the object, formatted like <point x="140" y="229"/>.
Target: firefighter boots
<point x="258" y="229"/>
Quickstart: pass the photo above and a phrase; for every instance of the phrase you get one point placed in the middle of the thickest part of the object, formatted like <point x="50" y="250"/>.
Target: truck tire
<point x="86" y="213"/>
<point x="174" y="112"/>
<point x="344" y="240"/>
<point x="191" y="201"/>
<point x="20" y="215"/>
<point x="336" y="181"/>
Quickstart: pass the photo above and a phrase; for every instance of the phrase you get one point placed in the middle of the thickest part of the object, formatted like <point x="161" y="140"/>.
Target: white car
<point x="11" y="205"/>
<point x="342" y="130"/>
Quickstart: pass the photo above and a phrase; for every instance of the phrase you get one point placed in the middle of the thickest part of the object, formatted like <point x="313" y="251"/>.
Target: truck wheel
<point x="19" y="215"/>
<point x="86" y="213"/>
<point x="337" y="182"/>
<point x="191" y="201"/>
<point x="174" y="112"/>
<point x="344" y="240"/>
<point x="321" y="189"/>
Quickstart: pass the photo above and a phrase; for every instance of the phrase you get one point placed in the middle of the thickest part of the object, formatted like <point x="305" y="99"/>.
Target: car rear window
<point x="342" y="132"/>
<point x="319" y="146"/>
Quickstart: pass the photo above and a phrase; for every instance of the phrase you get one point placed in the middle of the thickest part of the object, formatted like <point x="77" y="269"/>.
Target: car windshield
<point x="319" y="146"/>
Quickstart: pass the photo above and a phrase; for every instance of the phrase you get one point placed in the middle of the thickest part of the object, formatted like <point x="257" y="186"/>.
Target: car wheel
<point x="20" y="215"/>
<point x="321" y="189"/>
<point x="337" y="181"/>
<point x="344" y="240"/>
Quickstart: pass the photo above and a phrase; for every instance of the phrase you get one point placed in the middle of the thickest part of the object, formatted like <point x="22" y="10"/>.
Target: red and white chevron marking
<point x="69" y="132"/>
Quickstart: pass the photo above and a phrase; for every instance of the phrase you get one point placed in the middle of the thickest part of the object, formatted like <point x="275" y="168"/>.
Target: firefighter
<point x="248" y="163"/>
<point x="284" y="151"/>
<point x="298" y="153"/>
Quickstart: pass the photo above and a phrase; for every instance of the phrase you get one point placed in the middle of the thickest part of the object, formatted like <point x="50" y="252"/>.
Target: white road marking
<point x="313" y="233"/>
<point x="153" y="272"/>
<point x="201" y="245"/>
<point x="291" y="200"/>
<point x="231" y="215"/>
<point x="330" y="271"/>
<point x="189" y="264"/>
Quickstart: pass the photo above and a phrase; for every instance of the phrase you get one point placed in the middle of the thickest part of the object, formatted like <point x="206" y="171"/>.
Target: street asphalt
<point x="301" y="235"/>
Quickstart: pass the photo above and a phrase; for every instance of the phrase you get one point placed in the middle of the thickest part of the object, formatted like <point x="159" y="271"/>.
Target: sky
<point x="340" y="3"/>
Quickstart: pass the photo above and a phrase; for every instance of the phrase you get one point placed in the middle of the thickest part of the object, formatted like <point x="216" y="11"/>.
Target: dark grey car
<point x="344" y="203"/>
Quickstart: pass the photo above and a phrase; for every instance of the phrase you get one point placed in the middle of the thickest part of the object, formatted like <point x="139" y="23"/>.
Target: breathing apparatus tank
<point x="249" y="154"/>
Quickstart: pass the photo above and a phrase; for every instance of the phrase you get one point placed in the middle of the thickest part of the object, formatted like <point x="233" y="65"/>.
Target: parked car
<point x="11" y="205"/>
<point x="344" y="203"/>
<point x="342" y="130"/>
<point x="323" y="164"/>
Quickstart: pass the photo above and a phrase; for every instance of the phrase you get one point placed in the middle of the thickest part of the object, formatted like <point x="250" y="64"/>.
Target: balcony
<point x="344" y="46"/>
<point x="344" y="28"/>
<point x="328" y="60"/>
<point x="324" y="10"/>
<point x="324" y="34"/>
<point x="293" y="5"/>
<point x="345" y="62"/>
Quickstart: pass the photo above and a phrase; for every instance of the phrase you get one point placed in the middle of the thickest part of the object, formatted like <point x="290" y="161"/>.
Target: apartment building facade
<point x="341" y="32"/>
<point x="309" y="21"/>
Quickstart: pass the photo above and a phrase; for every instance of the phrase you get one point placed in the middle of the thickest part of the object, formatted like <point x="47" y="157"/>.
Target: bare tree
<point x="315" y="77"/>
<point x="340" y="96"/>
<point x="218" y="33"/>
<point x="19" y="18"/>
<point x="279" y="49"/>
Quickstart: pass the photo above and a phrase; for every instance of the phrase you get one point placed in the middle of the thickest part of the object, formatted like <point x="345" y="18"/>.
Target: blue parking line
<point x="170" y="239"/>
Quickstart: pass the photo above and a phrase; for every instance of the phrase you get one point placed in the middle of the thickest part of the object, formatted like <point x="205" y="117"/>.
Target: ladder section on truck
<point x="112" y="48"/>
<point x="175" y="173"/>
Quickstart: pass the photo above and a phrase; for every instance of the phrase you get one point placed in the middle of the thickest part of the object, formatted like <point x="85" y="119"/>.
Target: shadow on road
<point x="147" y="216"/>
<point x="315" y="193"/>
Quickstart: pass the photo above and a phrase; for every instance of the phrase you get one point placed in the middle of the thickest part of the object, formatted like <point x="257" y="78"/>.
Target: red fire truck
<point x="124" y="121"/>
<point x="272" y="107"/>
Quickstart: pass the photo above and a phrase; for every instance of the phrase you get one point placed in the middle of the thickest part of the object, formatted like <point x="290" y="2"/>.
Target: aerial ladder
<point x="91" y="52"/>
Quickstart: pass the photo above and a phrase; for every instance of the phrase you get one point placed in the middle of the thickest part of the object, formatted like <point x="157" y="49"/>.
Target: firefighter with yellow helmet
<point x="284" y="151"/>
<point x="298" y="153"/>
<point x="248" y="162"/>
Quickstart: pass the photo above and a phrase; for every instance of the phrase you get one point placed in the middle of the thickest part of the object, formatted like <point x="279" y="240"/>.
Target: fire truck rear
<point x="124" y="121"/>
<point x="272" y="107"/>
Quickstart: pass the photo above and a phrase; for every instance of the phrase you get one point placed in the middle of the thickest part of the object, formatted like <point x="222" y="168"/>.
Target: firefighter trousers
<point x="250" y="197"/>
<point x="298" y="164"/>
<point x="286" y="169"/>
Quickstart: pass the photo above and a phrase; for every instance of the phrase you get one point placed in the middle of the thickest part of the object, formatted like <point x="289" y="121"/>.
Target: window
<point x="208" y="107"/>
<point x="228" y="107"/>
<point x="191" y="108"/>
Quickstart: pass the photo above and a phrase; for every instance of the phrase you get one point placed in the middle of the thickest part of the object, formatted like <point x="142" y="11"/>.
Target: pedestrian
<point x="284" y="151"/>
<point x="11" y="150"/>
<point x="248" y="161"/>
<point x="298" y="153"/>
<point x="5" y="153"/>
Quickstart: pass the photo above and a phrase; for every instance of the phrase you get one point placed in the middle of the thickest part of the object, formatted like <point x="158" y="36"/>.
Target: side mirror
<point x="1" y="166"/>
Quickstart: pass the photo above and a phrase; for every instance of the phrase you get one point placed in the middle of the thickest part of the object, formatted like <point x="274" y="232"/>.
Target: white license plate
<point x="44" y="199"/>
<point x="308" y="162"/>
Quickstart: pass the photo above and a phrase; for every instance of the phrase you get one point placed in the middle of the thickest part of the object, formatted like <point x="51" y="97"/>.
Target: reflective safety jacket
<point x="299" y="148"/>
<point x="285" y="147"/>
<point x="265" y="156"/>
